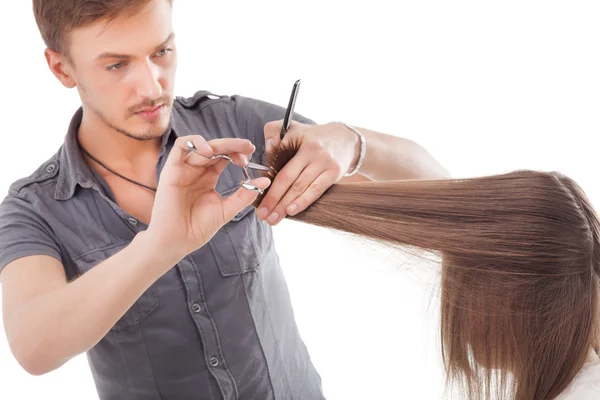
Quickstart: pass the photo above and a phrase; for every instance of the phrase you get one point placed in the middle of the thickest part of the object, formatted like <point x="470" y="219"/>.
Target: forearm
<point x="389" y="157"/>
<point x="54" y="327"/>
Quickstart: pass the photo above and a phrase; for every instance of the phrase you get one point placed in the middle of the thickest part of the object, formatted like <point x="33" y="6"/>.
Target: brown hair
<point x="56" y="18"/>
<point x="520" y="269"/>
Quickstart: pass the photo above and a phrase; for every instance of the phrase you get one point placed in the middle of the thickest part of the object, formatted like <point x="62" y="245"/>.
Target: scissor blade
<point x="252" y="165"/>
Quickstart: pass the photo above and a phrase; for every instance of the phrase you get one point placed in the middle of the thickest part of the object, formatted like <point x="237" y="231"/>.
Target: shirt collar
<point x="74" y="171"/>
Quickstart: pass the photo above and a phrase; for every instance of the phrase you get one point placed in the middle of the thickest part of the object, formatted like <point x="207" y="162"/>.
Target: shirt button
<point x="196" y="308"/>
<point x="50" y="168"/>
<point x="132" y="221"/>
<point x="214" y="361"/>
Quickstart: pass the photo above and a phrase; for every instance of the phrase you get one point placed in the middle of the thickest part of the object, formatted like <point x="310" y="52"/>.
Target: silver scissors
<point x="246" y="182"/>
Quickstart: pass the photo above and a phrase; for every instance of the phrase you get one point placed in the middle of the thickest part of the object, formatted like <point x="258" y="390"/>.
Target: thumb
<point x="242" y="198"/>
<point x="273" y="135"/>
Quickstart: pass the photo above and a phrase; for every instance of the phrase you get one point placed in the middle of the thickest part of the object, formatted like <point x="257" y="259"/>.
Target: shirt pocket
<point x="239" y="246"/>
<point x="142" y="308"/>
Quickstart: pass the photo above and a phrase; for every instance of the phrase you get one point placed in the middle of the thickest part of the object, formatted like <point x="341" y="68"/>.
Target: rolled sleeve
<point x="23" y="232"/>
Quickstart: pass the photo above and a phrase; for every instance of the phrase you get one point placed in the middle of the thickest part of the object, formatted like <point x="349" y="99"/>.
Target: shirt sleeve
<point x="23" y="232"/>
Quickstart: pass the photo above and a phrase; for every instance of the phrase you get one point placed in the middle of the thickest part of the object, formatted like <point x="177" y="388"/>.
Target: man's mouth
<point x="151" y="113"/>
<point x="150" y="109"/>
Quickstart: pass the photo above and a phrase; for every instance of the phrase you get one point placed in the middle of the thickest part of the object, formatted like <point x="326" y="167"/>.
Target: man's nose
<point x="148" y="85"/>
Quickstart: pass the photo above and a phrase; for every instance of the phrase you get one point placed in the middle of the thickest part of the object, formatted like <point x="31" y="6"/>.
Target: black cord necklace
<point x="114" y="172"/>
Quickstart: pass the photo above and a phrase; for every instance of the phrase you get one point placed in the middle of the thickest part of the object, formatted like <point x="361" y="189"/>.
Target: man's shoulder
<point x="203" y="99"/>
<point x="199" y="100"/>
<point x="43" y="178"/>
<point x="208" y="110"/>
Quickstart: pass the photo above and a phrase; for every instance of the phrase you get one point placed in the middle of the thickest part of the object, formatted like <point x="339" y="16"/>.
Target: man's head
<point x="120" y="56"/>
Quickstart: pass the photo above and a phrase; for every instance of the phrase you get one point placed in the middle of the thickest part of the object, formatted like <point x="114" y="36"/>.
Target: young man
<point x="171" y="291"/>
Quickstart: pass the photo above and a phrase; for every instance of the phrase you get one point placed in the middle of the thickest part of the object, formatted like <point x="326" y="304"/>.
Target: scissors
<point x="246" y="182"/>
<point x="287" y="120"/>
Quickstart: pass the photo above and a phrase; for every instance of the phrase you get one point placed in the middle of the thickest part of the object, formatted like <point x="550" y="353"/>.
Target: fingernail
<point x="262" y="212"/>
<point x="291" y="209"/>
<point x="273" y="217"/>
<point x="270" y="144"/>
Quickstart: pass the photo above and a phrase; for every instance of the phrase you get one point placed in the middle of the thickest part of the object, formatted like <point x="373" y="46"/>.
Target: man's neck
<point x="114" y="148"/>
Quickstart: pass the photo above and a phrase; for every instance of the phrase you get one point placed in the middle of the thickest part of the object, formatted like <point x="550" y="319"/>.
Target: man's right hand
<point x="187" y="209"/>
<point x="49" y="320"/>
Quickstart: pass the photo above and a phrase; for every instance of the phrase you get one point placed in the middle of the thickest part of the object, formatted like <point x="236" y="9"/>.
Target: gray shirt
<point x="219" y="324"/>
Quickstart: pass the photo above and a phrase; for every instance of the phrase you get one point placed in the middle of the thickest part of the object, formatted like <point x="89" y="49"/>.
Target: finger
<point x="304" y="181"/>
<point x="232" y="145"/>
<point x="179" y="154"/>
<point x="272" y="132"/>
<point x="242" y="198"/>
<point x="237" y="149"/>
<point x="220" y="165"/>
<point x="312" y="193"/>
<point x="283" y="181"/>
<point x="239" y="159"/>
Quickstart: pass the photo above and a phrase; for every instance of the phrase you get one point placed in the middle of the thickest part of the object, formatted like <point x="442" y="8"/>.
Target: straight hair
<point x="520" y="269"/>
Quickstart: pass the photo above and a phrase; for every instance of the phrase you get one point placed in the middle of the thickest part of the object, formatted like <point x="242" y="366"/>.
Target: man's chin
<point x="141" y="129"/>
<point x="140" y="132"/>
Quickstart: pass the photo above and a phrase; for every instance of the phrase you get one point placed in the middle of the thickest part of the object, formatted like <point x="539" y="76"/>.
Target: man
<point x="173" y="292"/>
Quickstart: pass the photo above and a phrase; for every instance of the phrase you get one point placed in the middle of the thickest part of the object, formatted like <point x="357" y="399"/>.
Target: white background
<point x="485" y="87"/>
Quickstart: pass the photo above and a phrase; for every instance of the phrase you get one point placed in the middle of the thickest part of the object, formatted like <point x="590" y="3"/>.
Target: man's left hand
<point x="326" y="153"/>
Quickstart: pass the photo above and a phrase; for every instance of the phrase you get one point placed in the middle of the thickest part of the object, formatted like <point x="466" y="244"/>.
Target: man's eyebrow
<point x="126" y="57"/>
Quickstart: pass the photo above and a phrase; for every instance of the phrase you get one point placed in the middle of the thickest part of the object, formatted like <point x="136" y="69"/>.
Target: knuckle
<point x="270" y="199"/>
<point x="335" y="167"/>
<point x="284" y="176"/>
<point x="271" y="126"/>
<point x="317" y="187"/>
<point x="324" y="154"/>
<point x="298" y="186"/>
<point x="314" y="146"/>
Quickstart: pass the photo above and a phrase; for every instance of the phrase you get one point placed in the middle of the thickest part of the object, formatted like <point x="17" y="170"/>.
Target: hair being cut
<point x="57" y="18"/>
<point x="520" y="269"/>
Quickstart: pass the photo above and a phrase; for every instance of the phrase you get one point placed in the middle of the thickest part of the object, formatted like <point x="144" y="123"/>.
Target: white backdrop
<point x="487" y="88"/>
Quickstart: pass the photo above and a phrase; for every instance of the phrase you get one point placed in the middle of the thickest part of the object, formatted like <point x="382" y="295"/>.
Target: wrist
<point x="360" y="148"/>
<point x="155" y="251"/>
<point x="357" y="148"/>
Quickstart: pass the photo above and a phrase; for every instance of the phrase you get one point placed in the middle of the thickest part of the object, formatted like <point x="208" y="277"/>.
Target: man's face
<point x="125" y="70"/>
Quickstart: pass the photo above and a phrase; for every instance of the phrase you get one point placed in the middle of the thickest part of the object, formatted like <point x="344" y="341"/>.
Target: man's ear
<point x="60" y="67"/>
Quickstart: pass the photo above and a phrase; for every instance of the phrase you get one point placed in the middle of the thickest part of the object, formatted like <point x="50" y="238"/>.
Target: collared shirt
<point x="219" y="324"/>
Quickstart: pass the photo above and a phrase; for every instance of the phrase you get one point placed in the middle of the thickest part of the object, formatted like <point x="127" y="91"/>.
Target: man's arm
<point x="329" y="151"/>
<point x="387" y="157"/>
<point x="49" y="321"/>
<point x="390" y="158"/>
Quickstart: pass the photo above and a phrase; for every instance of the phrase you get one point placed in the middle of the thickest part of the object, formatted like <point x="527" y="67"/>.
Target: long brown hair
<point x="520" y="269"/>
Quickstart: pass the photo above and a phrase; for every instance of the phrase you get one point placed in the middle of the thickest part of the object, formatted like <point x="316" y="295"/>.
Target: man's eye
<point x="163" y="52"/>
<point x="115" y="66"/>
